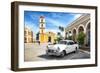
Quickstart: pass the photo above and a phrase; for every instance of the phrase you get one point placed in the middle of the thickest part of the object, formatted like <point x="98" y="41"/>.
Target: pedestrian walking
<point x="39" y="42"/>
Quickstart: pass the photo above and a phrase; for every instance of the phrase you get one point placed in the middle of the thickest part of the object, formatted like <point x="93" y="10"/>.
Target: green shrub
<point x="69" y="38"/>
<point x="81" y="38"/>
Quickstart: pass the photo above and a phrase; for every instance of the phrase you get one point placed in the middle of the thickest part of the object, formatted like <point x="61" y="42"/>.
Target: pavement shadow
<point x="51" y="57"/>
<point x="67" y="56"/>
<point x="73" y="55"/>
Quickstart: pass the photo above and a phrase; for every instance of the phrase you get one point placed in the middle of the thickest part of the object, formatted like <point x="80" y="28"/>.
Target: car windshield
<point x="62" y="42"/>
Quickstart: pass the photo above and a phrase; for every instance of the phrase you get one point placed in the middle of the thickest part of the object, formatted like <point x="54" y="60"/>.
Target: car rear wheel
<point x="76" y="50"/>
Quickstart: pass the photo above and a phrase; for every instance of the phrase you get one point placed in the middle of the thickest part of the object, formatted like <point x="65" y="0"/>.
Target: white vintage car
<point x="62" y="48"/>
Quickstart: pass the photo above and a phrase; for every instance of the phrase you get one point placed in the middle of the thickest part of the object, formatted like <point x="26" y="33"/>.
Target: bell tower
<point x="42" y="29"/>
<point x="42" y="24"/>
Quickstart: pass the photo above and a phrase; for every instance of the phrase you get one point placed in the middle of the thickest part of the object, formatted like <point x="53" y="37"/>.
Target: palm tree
<point x="37" y="36"/>
<point x="62" y="30"/>
<point x="59" y="37"/>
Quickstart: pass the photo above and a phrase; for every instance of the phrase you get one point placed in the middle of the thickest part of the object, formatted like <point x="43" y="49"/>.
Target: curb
<point x="84" y="51"/>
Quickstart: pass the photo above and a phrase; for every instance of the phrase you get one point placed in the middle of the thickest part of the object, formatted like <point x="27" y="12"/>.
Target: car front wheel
<point x="62" y="54"/>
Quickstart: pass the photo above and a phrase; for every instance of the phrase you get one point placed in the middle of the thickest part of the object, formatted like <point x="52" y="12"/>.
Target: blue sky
<point x="53" y="20"/>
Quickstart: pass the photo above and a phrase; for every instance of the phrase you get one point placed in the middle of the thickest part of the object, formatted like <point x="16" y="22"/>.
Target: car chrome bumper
<point x="53" y="53"/>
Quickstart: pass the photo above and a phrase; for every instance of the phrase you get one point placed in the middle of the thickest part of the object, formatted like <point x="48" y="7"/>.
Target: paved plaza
<point x="37" y="52"/>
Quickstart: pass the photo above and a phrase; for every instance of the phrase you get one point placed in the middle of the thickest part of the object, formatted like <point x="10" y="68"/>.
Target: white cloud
<point x="57" y="23"/>
<point x="77" y="16"/>
<point x="74" y="18"/>
<point x="32" y="27"/>
<point x="55" y="31"/>
<point x="52" y="30"/>
<point x="54" y="22"/>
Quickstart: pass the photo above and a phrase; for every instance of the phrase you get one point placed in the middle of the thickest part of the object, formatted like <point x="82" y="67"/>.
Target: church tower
<point x="42" y="29"/>
<point x="42" y="24"/>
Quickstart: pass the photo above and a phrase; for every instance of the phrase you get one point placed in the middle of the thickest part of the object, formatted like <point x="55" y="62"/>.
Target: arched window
<point x="80" y="29"/>
<point x="88" y="35"/>
<point x="74" y="35"/>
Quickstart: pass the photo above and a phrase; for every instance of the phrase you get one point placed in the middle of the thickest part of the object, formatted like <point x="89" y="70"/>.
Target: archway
<point x="49" y="39"/>
<point x="66" y="35"/>
<point x="88" y="35"/>
<point x="81" y="35"/>
<point x="80" y="29"/>
<point x="70" y="33"/>
<point x="74" y="35"/>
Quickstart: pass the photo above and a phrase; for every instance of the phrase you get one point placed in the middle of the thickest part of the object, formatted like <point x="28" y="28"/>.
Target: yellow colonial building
<point x="45" y="37"/>
<point x="28" y="35"/>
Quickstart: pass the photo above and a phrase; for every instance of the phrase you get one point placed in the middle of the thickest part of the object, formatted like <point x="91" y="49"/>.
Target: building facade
<point x="28" y="35"/>
<point x="50" y="37"/>
<point x="81" y="24"/>
<point x="45" y="37"/>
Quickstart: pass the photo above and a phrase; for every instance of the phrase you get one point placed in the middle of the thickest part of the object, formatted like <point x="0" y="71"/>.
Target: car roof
<point x="67" y="40"/>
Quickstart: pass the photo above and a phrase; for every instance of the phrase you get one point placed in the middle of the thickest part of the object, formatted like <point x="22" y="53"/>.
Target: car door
<point x="70" y="47"/>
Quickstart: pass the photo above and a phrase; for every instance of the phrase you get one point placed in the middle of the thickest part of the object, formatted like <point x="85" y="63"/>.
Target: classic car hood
<point x="61" y="46"/>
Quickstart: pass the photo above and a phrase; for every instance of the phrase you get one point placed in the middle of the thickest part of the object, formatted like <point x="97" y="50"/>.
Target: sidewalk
<point x="88" y="52"/>
<point x="85" y="49"/>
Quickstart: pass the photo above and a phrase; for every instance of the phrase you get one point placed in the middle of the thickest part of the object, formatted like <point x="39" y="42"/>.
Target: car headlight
<point x="58" y="49"/>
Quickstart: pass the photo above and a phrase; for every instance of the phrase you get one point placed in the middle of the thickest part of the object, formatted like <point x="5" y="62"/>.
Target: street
<point x="36" y="52"/>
